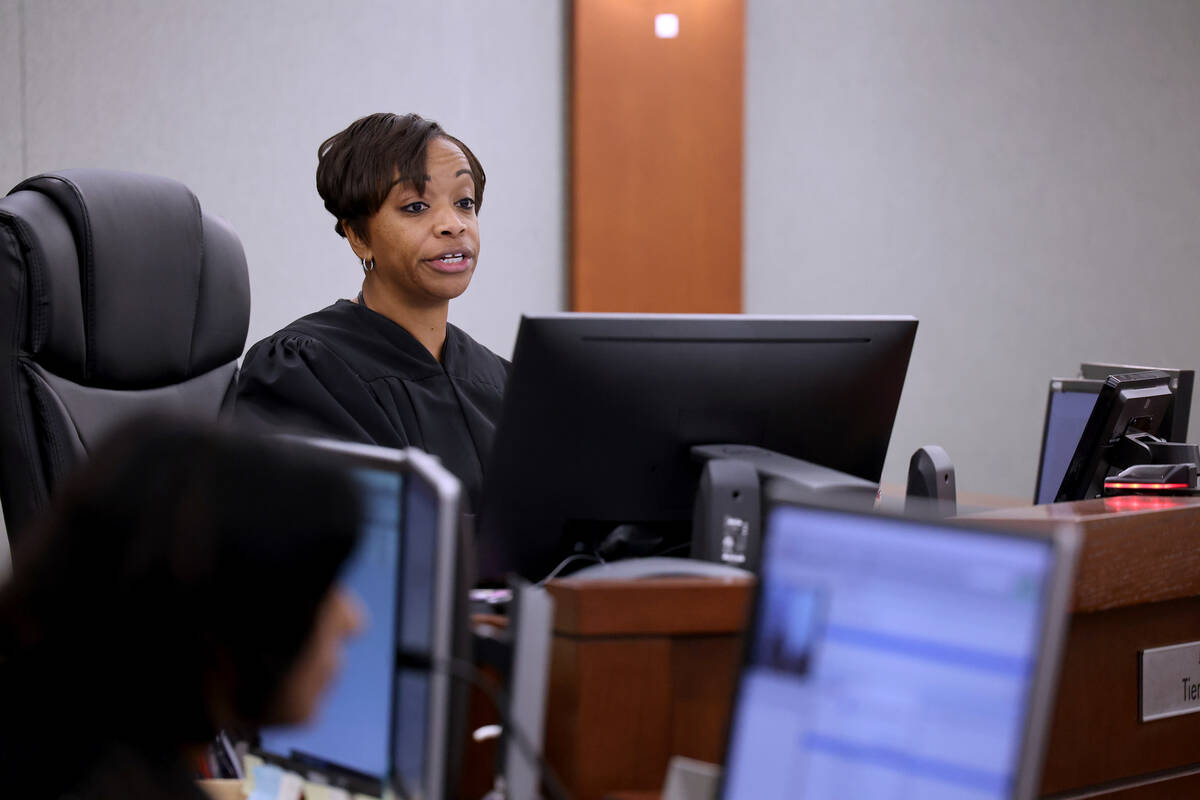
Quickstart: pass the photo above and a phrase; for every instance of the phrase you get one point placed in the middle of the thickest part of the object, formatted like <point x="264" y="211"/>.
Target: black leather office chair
<point x="118" y="297"/>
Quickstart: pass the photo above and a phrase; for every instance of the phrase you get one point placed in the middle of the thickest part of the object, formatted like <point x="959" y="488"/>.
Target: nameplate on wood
<point x="1170" y="681"/>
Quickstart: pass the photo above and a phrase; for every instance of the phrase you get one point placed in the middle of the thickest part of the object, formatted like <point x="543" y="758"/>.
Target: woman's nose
<point x="351" y="614"/>
<point x="447" y="223"/>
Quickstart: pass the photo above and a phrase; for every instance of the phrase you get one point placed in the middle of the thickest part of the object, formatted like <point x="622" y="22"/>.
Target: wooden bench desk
<point x="643" y="670"/>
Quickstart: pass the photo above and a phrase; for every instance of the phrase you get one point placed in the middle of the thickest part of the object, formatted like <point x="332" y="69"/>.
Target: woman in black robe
<point x="387" y="368"/>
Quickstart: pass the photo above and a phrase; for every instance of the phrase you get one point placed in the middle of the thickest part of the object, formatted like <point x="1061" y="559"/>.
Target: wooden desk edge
<point x="1135" y="550"/>
<point x="652" y="606"/>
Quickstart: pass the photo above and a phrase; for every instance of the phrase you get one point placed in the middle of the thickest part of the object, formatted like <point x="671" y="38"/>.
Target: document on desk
<point x="273" y="783"/>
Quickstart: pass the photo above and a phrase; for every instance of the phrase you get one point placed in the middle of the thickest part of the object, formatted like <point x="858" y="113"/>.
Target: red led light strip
<point x="1125" y="485"/>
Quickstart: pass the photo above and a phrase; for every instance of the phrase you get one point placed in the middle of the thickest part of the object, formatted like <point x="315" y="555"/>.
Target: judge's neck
<point x="427" y="324"/>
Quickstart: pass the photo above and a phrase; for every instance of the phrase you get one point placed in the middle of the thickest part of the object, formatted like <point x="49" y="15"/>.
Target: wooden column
<point x="640" y="671"/>
<point x="656" y="156"/>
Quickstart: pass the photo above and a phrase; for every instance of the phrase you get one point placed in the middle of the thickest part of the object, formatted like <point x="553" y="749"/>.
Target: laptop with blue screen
<point x="384" y="728"/>
<point x="896" y="658"/>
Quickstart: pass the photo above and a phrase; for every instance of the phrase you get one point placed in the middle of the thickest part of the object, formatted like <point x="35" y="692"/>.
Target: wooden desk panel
<point x="1095" y="735"/>
<point x="1136" y="549"/>
<point x="656" y="157"/>
<point x="641" y="671"/>
<point x="1138" y="586"/>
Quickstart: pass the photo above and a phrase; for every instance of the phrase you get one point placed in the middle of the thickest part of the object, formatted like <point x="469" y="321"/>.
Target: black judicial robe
<point x="350" y="373"/>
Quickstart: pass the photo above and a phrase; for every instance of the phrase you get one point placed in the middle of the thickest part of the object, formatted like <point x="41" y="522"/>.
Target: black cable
<point x="466" y="671"/>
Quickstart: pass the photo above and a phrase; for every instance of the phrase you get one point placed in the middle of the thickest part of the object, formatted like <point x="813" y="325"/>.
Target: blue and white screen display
<point x="1066" y="417"/>
<point x="890" y="659"/>
<point x="351" y="727"/>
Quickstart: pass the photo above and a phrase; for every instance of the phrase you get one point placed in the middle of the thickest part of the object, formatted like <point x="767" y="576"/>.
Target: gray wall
<point x="1024" y="177"/>
<point x="232" y="98"/>
<point x="10" y="142"/>
<point x="1010" y="172"/>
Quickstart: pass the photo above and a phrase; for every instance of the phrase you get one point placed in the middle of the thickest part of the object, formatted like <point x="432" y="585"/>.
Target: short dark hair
<point x="178" y="562"/>
<point x="357" y="167"/>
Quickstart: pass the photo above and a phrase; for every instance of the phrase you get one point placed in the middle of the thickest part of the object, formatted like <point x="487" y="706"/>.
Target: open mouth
<point x="455" y="261"/>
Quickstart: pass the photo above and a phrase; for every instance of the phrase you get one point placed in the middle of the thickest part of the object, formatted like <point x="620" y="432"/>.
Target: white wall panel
<point x="233" y="99"/>
<point x="1021" y="176"/>
<point x="1024" y="177"/>
<point x="12" y="113"/>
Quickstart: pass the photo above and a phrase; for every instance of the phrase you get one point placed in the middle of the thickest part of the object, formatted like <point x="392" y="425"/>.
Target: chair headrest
<point x="148" y="291"/>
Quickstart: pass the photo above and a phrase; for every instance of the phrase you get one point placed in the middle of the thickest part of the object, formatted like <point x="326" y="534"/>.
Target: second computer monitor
<point x="602" y="411"/>
<point x="384" y="724"/>
<point x="1127" y="404"/>
<point x="1175" y="424"/>
<point x="898" y="658"/>
<point x="1068" y="406"/>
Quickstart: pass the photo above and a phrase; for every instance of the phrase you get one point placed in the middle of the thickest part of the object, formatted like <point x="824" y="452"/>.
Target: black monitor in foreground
<point x="602" y="411"/>
<point x="1128" y="405"/>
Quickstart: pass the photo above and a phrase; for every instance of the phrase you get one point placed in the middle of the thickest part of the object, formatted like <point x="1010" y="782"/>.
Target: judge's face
<point x="425" y="245"/>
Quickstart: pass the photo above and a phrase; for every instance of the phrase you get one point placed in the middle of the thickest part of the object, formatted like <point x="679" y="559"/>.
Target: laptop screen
<point x="1067" y="413"/>
<point x="889" y="658"/>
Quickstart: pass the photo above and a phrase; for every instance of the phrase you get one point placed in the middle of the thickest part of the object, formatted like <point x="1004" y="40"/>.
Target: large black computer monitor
<point x="602" y="410"/>
<point x="383" y="724"/>
<point x="1127" y="404"/>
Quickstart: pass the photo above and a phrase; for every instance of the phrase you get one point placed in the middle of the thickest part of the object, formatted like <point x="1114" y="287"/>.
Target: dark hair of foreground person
<point x="179" y="584"/>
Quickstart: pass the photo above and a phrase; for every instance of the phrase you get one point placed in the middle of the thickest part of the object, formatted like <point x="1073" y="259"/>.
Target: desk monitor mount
<point x="727" y="517"/>
<point x="931" y="490"/>
<point x="1152" y="466"/>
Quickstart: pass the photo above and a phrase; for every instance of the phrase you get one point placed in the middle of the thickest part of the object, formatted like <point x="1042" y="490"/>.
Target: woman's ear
<point x="357" y="243"/>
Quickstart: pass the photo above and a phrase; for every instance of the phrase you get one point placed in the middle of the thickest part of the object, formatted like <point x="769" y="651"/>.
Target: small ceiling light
<point x="666" y="26"/>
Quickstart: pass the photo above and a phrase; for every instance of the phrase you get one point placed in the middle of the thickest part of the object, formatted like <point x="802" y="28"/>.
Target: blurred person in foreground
<point x="182" y="582"/>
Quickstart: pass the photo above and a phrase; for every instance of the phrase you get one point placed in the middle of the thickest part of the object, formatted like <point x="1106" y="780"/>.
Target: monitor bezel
<point x="1065" y="542"/>
<point x="1060" y="386"/>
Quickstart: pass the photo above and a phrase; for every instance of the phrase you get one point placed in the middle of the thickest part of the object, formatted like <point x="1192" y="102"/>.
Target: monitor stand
<point x="727" y="517"/>
<point x="1143" y="463"/>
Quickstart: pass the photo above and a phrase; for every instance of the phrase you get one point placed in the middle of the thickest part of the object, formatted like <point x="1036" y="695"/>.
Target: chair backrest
<point x="118" y="297"/>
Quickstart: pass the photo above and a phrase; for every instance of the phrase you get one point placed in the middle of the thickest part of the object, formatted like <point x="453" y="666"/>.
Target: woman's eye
<point x="415" y="208"/>
<point x="466" y="202"/>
